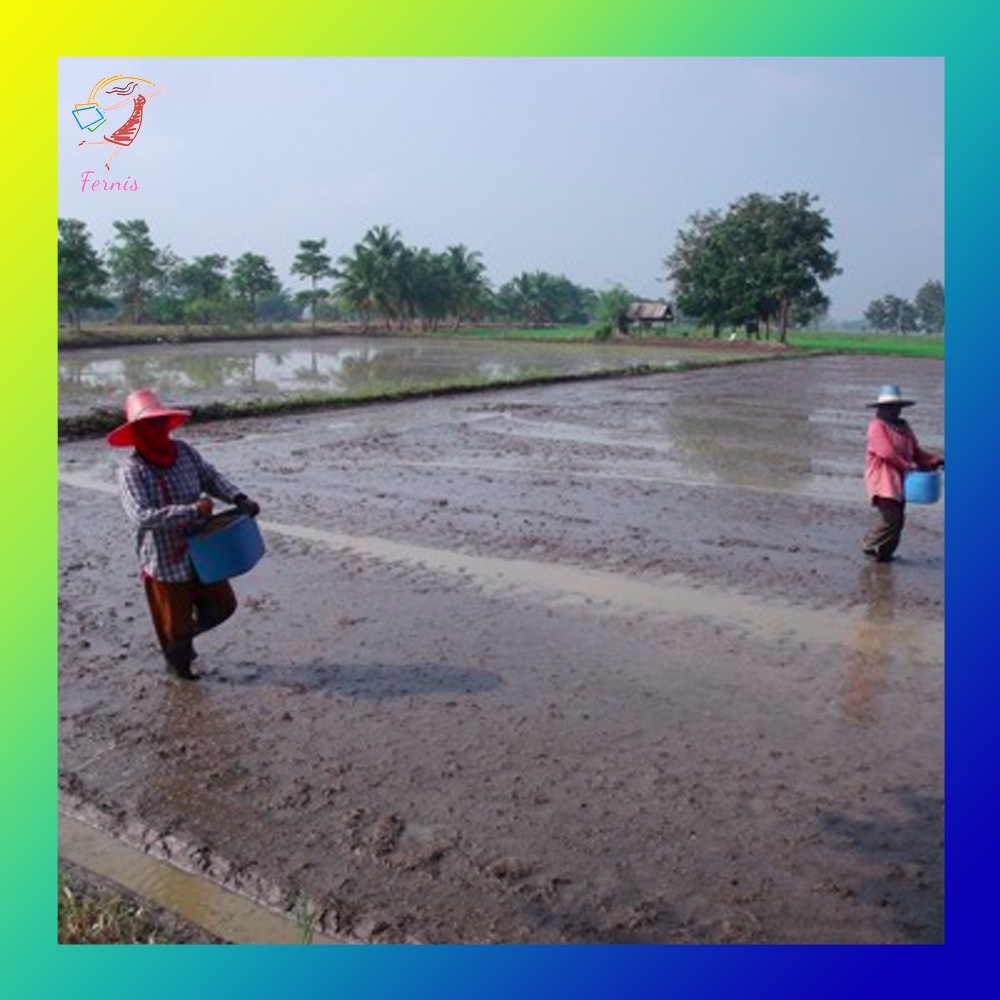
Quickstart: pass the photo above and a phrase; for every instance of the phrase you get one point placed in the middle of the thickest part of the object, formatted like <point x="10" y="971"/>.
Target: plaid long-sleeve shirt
<point x="160" y="504"/>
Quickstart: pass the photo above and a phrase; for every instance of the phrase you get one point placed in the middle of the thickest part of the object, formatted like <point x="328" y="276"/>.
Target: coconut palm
<point x="387" y="251"/>
<point x="355" y="276"/>
<point x="467" y="282"/>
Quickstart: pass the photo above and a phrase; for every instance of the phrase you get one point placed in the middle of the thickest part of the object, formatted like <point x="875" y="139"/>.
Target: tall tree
<point x="403" y="284"/>
<point x="701" y="270"/>
<point x="879" y="313"/>
<point x="387" y="252"/>
<point x="797" y="255"/>
<point x="540" y="298"/>
<point x="312" y="263"/>
<point x="204" y="277"/>
<point x="892" y="313"/>
<point x="167" y="305"/>
<point x="427" y="285"/>
<point x="373" y="279"/>
<point x="136" y="266"/>
<point x="466" y="280"/>
<point x="762" y="260"/>
<point x="929" y="303"/>
<point x="82" y="276"/>
<point x="356" y="283"/>
<point x="204" y="288"/>
<point x="253" y="277"/>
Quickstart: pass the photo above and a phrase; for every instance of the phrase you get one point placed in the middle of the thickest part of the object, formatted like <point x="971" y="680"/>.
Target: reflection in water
<point x="871" y="651"/>
<point x="97" y="380"/>
<point x="198" y="373"/>
<point x="737" y="465"/>
<point x="711" y="436"/>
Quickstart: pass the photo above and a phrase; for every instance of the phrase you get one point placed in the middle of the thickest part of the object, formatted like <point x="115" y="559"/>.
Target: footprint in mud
<point x="386" y="834"/>
<point x="379" y="837"/>
<point x="508" y="870"/>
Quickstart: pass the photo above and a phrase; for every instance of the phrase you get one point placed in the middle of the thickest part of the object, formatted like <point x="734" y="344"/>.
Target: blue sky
<point x="586" y="167"/>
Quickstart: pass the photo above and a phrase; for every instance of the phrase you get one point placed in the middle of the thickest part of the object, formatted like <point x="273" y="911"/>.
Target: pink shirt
<point x="893" y="450"/>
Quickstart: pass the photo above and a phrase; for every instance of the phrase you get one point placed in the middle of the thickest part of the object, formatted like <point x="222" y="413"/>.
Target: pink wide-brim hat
<point x="143" y="405"/>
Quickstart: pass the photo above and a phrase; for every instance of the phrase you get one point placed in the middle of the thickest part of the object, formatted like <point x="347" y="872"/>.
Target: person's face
<point x="890" y="411"/>
<point x="154" y="431"/>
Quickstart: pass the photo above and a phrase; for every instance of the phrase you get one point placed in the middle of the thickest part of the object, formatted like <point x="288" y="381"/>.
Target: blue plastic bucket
<point x="229" y="545"/>
<point x="922" y="487"/>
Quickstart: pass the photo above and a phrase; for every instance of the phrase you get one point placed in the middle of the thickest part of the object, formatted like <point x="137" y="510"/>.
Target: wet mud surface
<point x="595" y="662"/>
<point x="250" y="371"/>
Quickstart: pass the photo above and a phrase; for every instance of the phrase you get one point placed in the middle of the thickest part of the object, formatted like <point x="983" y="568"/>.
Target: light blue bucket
<point x="229" y="545"/>
<point x="922" y="487"/>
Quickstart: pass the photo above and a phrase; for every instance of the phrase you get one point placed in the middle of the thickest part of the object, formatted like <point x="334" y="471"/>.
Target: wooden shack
<point x="648" y="313"/>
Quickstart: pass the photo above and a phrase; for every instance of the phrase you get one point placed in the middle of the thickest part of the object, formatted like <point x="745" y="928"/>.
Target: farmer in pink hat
<point x="166" y="489"/>
<point x="893" y="450"/>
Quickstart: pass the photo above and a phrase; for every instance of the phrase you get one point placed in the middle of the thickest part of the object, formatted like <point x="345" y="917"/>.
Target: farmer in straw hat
<point x="166" y="487"/>
<point x="893" y="450"/>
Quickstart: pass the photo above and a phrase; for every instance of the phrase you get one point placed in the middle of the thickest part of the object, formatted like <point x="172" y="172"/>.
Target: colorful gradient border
<point x="33" y="43"/>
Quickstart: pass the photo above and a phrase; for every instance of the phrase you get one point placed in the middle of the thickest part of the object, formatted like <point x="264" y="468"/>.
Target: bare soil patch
<point x="579" y="663"/>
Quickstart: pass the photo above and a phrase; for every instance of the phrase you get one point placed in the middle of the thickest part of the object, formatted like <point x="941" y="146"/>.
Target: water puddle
<point x="219" y="911"/>
<point x="196" y="373"/>
<point x="698" y="462"/>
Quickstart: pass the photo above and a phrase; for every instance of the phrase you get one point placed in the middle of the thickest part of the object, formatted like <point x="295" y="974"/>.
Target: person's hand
<point x="247" y="506"/>
<point x="205" y="506"/>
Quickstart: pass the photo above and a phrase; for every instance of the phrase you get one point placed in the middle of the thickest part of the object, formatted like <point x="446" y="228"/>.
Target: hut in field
<point x="649" y="313"/>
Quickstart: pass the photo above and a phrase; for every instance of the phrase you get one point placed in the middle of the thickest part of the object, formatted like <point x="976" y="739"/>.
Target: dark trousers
<point x="883" y="536"/>
<point x="180" y="611"/>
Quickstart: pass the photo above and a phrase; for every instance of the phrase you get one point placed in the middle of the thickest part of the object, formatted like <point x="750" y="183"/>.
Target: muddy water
<point x="197" y="373"/>
<point x="589" y="662"/>
<point x="200" y="902"/>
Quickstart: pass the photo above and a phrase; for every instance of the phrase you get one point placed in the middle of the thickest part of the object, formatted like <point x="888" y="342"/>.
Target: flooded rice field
<point x="191" y="374"/>
<point x="591" y="662"/>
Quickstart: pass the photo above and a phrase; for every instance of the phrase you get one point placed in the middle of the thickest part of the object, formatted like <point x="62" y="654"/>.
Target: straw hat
<point x="890" y="395"/>
<point x="143" y="405"/>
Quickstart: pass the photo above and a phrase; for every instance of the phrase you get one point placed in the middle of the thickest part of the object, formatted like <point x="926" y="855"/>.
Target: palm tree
<point x="467" y="282"/>
<point x="431" y="286"/>
<point x="356" y="282"/>
<point x="388" y="261"/>
<point x="402" y="284"/>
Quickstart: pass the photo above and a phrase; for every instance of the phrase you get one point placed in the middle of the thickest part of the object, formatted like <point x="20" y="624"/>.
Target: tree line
<point x="381" y="280"/>
<point x="758" y="265"/>
<point x="925" y="314"/>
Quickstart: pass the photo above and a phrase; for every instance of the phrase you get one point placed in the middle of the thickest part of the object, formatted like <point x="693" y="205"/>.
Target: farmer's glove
<point x="246" y="506"/>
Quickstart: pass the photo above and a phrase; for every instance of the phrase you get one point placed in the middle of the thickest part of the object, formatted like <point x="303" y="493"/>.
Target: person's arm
<point x="143" y="507"/>
<point x="217" y="485"/>
<point x="927" y="459"/>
